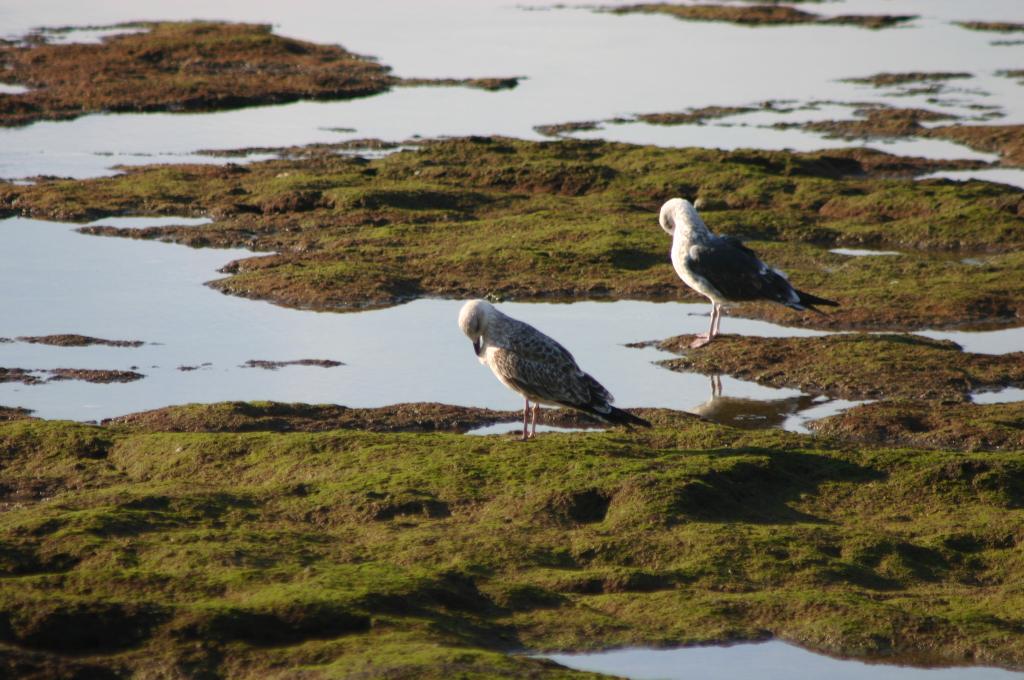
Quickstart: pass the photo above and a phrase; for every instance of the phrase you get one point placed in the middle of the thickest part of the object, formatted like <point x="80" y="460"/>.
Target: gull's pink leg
<point x="526" y="409"/>
<point x="703" y="338"/>
<point x="717" y="313"/>
<point x="533" y="428"/>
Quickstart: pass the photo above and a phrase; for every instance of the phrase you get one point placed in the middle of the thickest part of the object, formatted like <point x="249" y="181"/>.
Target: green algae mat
<point x="574" y="220"/>
<point x="347" y="553"/>
<point x="267" y="540"/>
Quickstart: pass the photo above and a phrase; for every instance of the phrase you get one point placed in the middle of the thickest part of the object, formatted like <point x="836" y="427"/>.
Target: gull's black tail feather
<point x="808" y="301"/>
<point x="616" y="416"/>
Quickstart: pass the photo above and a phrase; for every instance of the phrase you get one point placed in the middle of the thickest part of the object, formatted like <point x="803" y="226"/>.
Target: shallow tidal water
<point x="198" y="340"/>
<point x="124" y="289"/>
<point x="772" y="660"/>
<point x="578" y="65"/>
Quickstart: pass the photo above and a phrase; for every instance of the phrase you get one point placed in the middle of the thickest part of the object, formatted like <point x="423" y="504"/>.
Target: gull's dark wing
<point x="736" y="272"/>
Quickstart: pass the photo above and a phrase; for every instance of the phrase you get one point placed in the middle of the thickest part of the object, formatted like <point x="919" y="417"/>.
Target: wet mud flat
<point x="416" y="553"/>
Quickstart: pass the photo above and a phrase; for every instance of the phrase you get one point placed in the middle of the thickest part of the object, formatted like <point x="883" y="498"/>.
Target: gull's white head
<point x="474" y="317"/>
<point x="678" y="213"/>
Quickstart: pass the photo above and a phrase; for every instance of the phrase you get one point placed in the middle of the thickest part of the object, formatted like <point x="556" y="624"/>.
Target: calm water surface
<point x="579" y="65"/>
<point x="763" y="661"/>
<point x="123" y="289"/>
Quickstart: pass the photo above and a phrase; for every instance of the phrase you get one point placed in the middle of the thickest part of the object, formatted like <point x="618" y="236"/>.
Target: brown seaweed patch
<point x="882" y="121"/>
<point x="39" y="376"/>
<point x="559" y="129"/>
<point x="1005" y="140"/>
<point x="274" y="365"/>
<point x="694" y="116"/>
<point x="75" y="340"/>
<point x="184" y="368"/>
<point x="189" y="66"/>
<point x="853" y="366"/>
<point x="877" y="121"/>
<point x="993" y="26"/>
<point x="1012" y="73"/>
<point x="959" y="426"/>
<point x="489" y="84"/>
<point x="19" y="375"/>
<point x="886" y="79"/>
<point x="761" y="15"/>
<point x="94" y="375"/>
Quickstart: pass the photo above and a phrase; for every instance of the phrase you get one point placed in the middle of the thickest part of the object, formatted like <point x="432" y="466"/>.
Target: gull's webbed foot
<point x="700" y="341"/>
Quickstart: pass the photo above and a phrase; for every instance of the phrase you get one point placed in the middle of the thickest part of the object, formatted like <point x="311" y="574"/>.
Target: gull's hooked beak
<point x="476" y="346"/>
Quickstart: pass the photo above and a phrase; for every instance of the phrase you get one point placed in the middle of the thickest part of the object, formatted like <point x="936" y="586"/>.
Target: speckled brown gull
<point x="537" y="367"/>
<point x="724" y="270"/>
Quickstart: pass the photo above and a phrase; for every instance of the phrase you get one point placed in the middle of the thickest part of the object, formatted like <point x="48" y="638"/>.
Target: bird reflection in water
<point x="749" y="414"/>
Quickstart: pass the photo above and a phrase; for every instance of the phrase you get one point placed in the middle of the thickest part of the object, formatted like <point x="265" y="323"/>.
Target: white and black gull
<point x="724" y="270"/>
<point x="536" y="366"/>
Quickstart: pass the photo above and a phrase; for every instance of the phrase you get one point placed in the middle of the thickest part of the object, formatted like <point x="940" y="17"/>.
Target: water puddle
<point x="143" y="222"/>
<point x="11" y="88"/>
<point x="798" y="422"/>
<point x="766" y="661"/>
<point x="862" y="252"/>
<point x="1012" y="176"/>
<point x="509" y="428"/>
<point x="789" y="413"/>
<point x="81" y="36"/>
<point x="1003" y="341"/>
<point x="1004" y="396"/>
